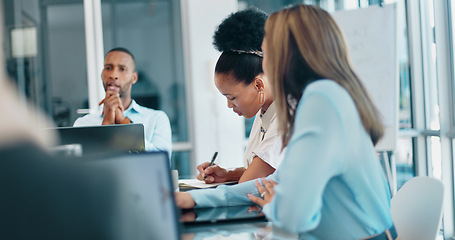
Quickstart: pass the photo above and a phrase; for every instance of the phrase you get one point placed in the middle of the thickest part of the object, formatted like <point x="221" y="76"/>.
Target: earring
<point x="261" y="97"/>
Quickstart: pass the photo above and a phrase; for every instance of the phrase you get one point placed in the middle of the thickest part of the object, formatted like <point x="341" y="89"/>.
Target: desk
<point x="230" y="231"/>
<point x="234" y="222"/>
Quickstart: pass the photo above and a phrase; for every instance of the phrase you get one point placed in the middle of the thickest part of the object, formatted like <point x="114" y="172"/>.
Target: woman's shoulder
<point x="324" y="86"/>
<point x="327" y="88"/>
<point x="331" y="91"/>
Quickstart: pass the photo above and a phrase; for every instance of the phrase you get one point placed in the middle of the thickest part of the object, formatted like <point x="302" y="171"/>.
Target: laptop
<point x="103" y="139"/>
<point x="144" y="205"/>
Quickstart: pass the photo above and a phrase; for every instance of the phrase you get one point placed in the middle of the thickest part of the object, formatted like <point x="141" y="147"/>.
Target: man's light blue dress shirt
<point x="330" y="183"/>
<point x="158" y="135"/>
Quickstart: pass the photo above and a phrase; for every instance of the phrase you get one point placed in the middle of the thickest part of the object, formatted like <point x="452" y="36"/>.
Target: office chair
<point x="417" y="209"/>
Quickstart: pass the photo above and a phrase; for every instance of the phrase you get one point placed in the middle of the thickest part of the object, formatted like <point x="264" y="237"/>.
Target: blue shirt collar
<point x="134" y="107"/>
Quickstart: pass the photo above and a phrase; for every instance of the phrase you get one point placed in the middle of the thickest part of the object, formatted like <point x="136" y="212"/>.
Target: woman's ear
<point x="259" y="83"/>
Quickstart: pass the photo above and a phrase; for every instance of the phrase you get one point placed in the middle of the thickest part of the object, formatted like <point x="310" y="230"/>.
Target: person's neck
<point x="126" y="102"/>
<point x="266" y="105"/>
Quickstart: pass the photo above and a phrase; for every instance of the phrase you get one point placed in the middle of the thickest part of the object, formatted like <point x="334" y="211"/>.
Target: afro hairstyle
<point x="243" y="30"/>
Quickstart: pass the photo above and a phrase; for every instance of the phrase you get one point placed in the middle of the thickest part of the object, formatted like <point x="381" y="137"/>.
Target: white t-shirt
<point x="265" y="144"/>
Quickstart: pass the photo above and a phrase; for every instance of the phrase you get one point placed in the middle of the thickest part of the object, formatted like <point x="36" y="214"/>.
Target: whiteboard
<point x="371" y="36"/>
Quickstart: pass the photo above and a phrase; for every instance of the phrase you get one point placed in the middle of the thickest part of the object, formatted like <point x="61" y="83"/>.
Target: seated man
<point x="118" y="77"/>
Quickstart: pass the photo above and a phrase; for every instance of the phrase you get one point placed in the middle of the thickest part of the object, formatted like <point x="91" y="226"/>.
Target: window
<point x="46" y="46"/>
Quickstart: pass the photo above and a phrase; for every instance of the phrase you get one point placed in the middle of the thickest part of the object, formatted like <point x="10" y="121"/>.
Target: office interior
<point x="54" y="51"/>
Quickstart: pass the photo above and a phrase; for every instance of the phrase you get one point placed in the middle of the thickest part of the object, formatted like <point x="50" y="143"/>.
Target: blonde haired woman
<point x="330" y="184"/>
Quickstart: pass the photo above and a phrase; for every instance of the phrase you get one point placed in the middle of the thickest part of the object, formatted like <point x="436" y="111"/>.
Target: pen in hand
<point x="211" y="162"/>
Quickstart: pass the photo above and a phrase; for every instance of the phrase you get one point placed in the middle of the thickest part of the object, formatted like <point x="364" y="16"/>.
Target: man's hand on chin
<point x="113" y="108"/>
<point x="108" y="117"/>
<point x="120" y="117"/>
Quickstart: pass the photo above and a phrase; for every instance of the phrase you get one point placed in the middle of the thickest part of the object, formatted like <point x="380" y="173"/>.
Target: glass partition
<point x="45" y="45"/>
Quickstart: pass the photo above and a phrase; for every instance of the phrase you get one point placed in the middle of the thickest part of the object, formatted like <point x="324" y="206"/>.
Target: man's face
<point x="119" y="73"/>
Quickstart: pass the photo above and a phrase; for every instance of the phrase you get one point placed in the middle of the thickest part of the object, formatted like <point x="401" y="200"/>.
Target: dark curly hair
<point x="244" y="31"/>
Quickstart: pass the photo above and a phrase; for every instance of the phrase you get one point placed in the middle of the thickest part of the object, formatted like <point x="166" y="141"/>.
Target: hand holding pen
<point x="211" y="162"/>
<point x="209" y="172"/>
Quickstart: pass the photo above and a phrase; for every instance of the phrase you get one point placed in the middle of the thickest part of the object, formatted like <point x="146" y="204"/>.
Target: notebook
<point x="144" y="206"/>
<point x="104" y="138"/>
<point x="190" y="184"/>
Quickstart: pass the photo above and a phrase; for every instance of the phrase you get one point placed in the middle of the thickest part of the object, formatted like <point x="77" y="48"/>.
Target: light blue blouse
<point x="157" y="128"/>
<point x="331" y="184"/>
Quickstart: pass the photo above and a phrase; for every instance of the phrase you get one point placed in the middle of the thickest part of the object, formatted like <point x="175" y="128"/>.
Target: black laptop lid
<point x="105" y="138"/>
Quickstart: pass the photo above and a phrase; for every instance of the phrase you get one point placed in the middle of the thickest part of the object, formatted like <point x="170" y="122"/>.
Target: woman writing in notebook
<point x="330" y="184"/>
<point x="240" y="78"/>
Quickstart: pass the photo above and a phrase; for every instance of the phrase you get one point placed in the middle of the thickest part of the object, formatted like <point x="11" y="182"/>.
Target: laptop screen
<point x="105" y="138"/>
<point x="144" y="206"/>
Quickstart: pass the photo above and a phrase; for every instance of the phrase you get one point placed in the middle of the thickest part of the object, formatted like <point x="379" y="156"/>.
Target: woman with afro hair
<point x="240" y="78"/>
